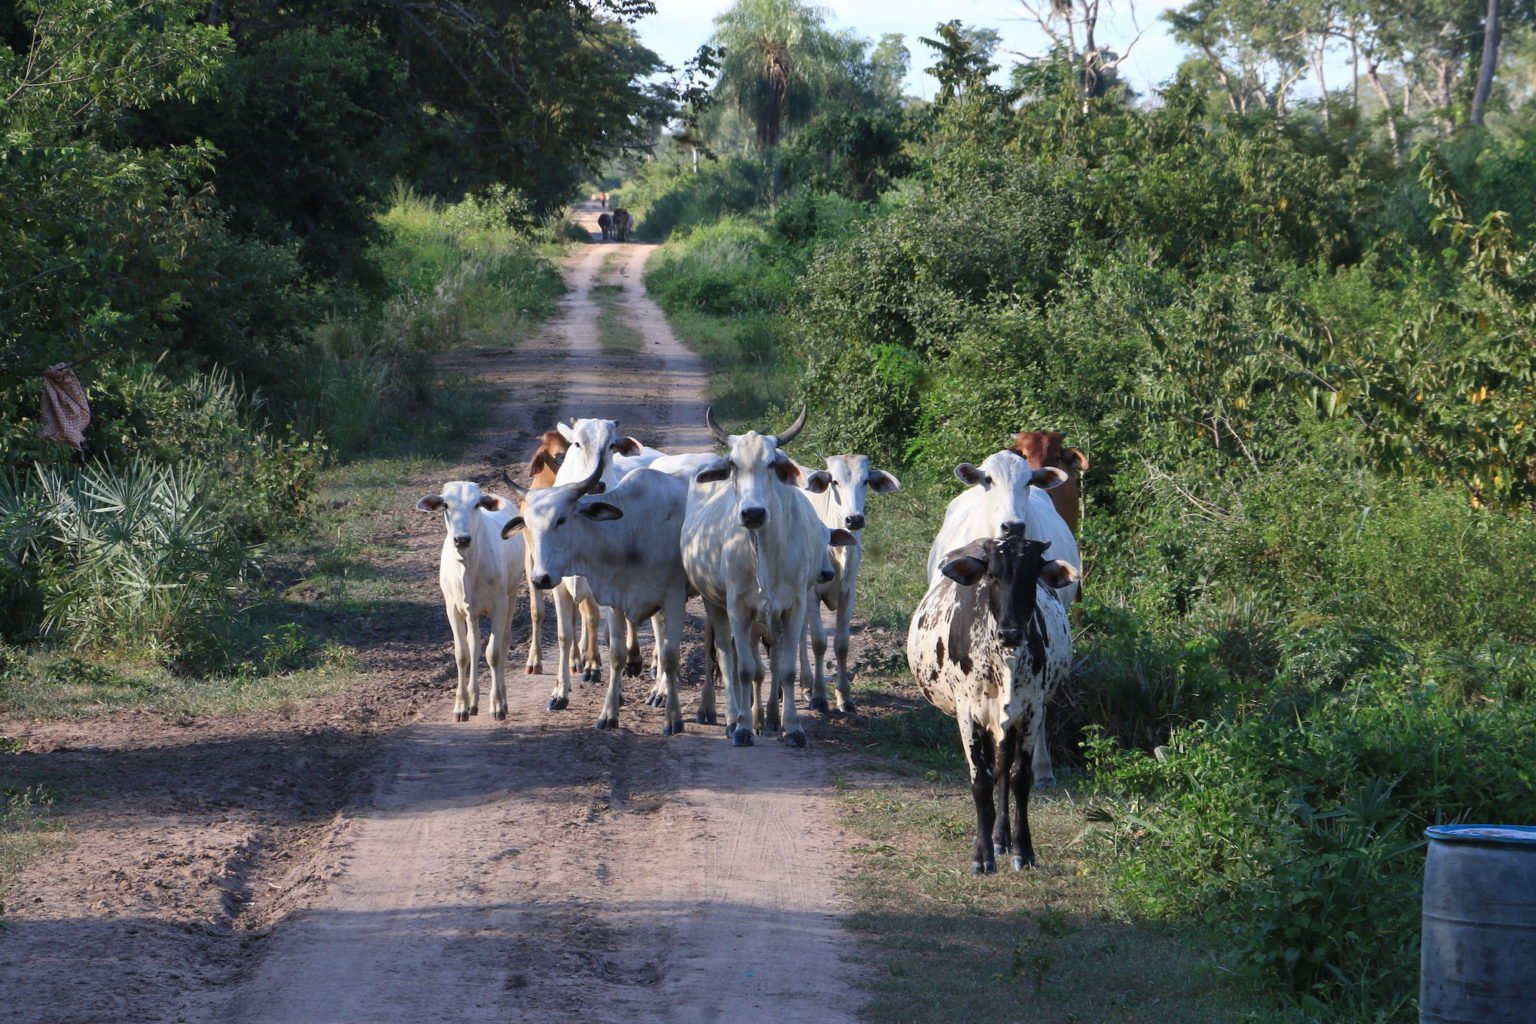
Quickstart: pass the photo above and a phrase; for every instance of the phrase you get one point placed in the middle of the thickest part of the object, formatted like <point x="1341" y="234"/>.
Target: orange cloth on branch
<point x="66" y="413"/>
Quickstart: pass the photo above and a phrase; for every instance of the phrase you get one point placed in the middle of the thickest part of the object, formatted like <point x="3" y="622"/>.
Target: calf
<point x="478" y="576"/>
<point x="988" y="645"/>
<point x="627" y="548"/>
<point x="1042" y="448"/>
<point x="841" y="505"/>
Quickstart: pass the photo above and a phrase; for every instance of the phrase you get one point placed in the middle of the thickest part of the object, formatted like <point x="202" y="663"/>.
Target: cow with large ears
<point x="988" y="645"/>
<point x="841" y="505"/>
<point x="627" y="548"/>
<point x="752" y="548"/>
<point x="478" y="576"/>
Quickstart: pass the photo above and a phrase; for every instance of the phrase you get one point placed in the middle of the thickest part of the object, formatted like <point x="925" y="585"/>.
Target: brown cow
<point x="621" y="224"/>
<point x="1043" y="449"/>
<point x="542" y="468"/>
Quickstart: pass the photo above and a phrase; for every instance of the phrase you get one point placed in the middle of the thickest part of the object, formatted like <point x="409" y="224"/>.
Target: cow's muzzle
<point x="854" y="522"/>
<point x="543" y="581"/>
<point x="754" y="518"/>
<point x="461" y="541"/>
<point x="1010" y="638"/>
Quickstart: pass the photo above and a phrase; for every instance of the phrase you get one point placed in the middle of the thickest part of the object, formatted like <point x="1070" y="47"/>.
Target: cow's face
<point x="590" y="440"/>
<point x="753" y="465"/>
<point x="551" y="519"/>
<point x="852" y="480"/>
<point x="1009" y="568"/>
<point x="1043" y="448"/>
<point x="459" y="502"/>
<point x="546" y="462"/>
<point x="1005" y="479"/>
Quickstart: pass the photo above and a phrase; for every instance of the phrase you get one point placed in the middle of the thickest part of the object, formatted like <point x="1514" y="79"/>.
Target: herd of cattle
<point x="614" y="529"/>
<point x="615" y="226"/>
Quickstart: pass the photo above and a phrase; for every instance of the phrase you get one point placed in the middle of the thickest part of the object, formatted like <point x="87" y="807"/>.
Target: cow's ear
<point x="566" y="432"/>
<point x="837" y="537"/>
<point x="882" y="482"/>
<point x="431" y="503"/>
<point x="513" y="525"/>
<point x="716" y="471"/>
<point x="971" y="476"/>
<point x="628" y="446"/>
<point x="1074" y="460"/>
<point x="1047" y="478"/>
<point x="816" y="481"/>
<point x="601" y="511"/>
<point x="493" y="502"/>
<point x="967" y="564"/>
<point x="538" y="462"/>
<point x="1057" y="574"/>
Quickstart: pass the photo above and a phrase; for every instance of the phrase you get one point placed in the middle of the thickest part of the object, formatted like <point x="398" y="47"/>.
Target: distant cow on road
<point x="621" y="224"/>
<point x="605" y="225"/>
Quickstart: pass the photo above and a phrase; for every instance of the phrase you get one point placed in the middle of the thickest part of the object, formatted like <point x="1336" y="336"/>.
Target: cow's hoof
<point x="558" y="703"/>
<point x="978" y="868"/>
<point x="796" y="738"/>
<point x="1020" y="863"/>
<point x="741" y="738"/>
<point x="1044" y="780"/>
<point x="500" y="716"/>
<point x="672" y="728"/>
<point x="632" y="669"/>
<point x="534" y="669"/>
<point x="461" y="716"/>
<point x="656" y="700"/>
<point x="474" y="709"/>
<point x="607" y="723"/>
<point x="847" y="707"/>
<point x="820" y="704"/>
<point x="706" y="717"/>
<point x="772" y="723"/>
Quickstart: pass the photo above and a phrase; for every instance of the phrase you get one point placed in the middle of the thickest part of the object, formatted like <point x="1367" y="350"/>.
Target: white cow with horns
<point x="988" y="645"/>
<point x="478" y="576"/>
<point x="752" y="548"/>
<point x="627" y="548"/>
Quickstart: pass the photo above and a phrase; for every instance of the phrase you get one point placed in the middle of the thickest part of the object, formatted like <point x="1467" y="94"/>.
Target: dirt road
<point x="533" y="870"/>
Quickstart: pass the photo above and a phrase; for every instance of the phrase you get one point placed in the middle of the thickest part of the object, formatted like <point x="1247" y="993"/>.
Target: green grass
<point x="26" y="828"/>
<point x="1047" y="945"/>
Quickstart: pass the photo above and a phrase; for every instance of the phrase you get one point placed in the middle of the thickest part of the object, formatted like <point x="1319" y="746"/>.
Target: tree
<point x="777" y="53"/>
<point x="1073" y="27"/>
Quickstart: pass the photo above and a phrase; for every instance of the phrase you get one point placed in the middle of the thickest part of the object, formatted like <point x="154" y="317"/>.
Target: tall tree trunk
<point x="1354" y="83"/>
<point x="1322" y="83"/>
<point x="1490" y="61"/>
<point x="1372" y="69"/>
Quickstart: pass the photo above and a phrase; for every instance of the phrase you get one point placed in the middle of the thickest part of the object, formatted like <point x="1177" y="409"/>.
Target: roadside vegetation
<point x="1292" y="335"/>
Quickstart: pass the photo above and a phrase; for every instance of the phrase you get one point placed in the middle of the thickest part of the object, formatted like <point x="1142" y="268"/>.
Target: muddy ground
<point x="363" y="858"/>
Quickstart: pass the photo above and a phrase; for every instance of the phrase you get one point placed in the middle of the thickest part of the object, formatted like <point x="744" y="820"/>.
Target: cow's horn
<point x="794" y="428"/>
<point x="517" y="488"/>
<point x="590" y="482"/>
<point x="715" y="430"/>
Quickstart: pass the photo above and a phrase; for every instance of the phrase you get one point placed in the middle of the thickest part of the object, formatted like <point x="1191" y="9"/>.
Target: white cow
<point x="988" y="644"/>
<point x="752" y="548"/>
<point x="478" y="576"/>
<point x="840" y="505"/>
<point x="1004" y="491"/>
<point x="592" y="442"/>
<point x="627" y="547"/>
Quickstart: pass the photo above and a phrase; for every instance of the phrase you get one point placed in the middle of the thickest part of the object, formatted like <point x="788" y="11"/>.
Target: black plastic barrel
<point x="1479" y="928"/>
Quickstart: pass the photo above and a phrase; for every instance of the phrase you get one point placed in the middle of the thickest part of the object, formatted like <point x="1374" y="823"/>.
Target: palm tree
<point x="776" y="53"/>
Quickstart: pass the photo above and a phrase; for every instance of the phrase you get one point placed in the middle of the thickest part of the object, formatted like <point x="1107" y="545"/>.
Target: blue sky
<point x="678" y="27"/>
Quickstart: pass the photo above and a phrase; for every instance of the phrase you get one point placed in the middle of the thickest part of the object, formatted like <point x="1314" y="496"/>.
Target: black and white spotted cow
<point x="988" y="645"/>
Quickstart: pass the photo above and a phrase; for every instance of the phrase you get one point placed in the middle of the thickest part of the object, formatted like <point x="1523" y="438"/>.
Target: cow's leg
<point x="1008" y="757"/>
<point x="658" y="694"/>
<point x="1040" y="747"/>
<point x="765" y="719"/>
<point x="634" y="664"/>
<point x="840" y="649"/>
<point x="782" y="679"/>
<point x="591" y="661"/>
<point x="535" y="618"/>
<point x="463" y="657"/>
<point x="1019" y="778"/>
<point x="614" y="698"/>
<point x="668" y="624"/>
<point x="816" y="679"/>
<point x="740" y="673"/>
<point x="979" y="754"/>
<point x="496" y="654"/>
<point x="717" y="643"/>
<point x="565" y="630"/>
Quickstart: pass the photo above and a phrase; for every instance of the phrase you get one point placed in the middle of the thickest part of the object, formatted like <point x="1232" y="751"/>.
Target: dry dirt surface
<point x="363" y="858"/>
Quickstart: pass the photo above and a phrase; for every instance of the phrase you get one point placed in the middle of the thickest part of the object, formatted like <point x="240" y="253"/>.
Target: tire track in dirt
<point x="539" y="870"/>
